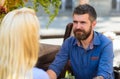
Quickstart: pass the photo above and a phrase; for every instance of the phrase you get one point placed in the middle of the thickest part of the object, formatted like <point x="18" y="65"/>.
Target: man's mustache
<point x="79" y="30"/>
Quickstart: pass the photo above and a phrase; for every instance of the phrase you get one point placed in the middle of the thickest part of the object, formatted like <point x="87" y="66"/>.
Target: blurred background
<point x="108" y="20"/>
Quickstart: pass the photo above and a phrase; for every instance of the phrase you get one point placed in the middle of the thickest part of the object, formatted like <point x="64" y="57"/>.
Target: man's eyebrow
<point x="75" y="21"/>
<point x="79" y="21"/>
<point x="82" y="22"/>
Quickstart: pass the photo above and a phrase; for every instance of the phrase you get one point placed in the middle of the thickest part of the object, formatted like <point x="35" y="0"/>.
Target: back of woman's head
<point x="19" y="36"/>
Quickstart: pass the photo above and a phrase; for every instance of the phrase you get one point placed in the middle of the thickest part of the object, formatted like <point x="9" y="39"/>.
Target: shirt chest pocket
<point x="94" y="60"/>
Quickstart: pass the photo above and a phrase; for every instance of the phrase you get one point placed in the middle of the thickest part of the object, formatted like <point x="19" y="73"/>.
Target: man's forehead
<point x="81" y="17"/>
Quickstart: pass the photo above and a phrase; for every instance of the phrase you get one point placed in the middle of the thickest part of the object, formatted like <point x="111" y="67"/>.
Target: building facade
<point x="106" y="7"/>
<point x="103" y="7"/>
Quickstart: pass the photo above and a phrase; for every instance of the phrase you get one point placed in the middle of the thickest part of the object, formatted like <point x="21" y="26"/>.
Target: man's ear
<point x="94" y="23"/>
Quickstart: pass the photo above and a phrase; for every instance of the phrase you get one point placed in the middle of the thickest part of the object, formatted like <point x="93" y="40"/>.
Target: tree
<point x="51" y="7"/>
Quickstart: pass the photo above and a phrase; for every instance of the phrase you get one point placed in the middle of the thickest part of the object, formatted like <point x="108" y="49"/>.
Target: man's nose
<point x="79" y="25"/>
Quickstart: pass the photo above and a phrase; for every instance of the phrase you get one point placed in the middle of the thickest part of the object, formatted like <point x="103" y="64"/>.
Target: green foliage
<point x="51" y="7"/>
<point x="68" y="75"/>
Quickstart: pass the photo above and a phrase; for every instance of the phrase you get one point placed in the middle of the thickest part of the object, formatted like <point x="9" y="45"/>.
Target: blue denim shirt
<point x="96" y="60"/>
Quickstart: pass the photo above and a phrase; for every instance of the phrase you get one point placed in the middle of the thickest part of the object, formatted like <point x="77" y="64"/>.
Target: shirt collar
<point x="96" y="39"/>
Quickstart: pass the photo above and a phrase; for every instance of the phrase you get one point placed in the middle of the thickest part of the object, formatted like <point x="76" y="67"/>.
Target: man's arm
<point x="98" y="77"/>
<point x="105" y="67"/>
<point x="52" y="74"/>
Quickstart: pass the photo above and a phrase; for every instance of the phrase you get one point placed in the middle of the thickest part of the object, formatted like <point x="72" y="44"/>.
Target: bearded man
<point x="90" y="53"/>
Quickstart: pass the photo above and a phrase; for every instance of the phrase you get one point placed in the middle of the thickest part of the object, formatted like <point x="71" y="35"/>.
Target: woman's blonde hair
<point x="19" y="42"/>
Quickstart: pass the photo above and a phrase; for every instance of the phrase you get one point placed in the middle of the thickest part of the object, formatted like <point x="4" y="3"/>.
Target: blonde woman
<point x="19" y="36"/>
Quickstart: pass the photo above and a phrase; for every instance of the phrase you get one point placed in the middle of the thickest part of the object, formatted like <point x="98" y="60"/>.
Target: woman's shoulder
<point x="39" y="74"/>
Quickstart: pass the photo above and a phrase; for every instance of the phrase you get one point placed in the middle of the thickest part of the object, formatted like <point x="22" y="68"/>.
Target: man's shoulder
<point x="70" y="40"/>
<point x="103" y="38"/>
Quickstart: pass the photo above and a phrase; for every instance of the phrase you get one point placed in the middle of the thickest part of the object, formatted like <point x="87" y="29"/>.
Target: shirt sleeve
<point x="39" y="74"/>
<point x="105" y="67"/>
<point x="60" y="59"/>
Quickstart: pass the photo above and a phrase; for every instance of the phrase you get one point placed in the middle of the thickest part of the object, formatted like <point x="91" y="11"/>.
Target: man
<point x="90" y="53"/>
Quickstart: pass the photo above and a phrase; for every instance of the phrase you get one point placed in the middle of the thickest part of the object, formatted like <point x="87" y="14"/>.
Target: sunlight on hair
<point x="19" y="37"/>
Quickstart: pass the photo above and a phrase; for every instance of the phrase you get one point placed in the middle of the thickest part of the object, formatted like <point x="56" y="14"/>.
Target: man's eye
<point x="75" y="22"/>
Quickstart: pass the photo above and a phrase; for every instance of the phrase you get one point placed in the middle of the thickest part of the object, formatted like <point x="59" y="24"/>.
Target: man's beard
<point x="82" y="34"/>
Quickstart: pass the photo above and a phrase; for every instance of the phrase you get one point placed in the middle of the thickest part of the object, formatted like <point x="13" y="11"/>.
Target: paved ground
<point x="57" y="27"/>
<point x="59" y="23"/>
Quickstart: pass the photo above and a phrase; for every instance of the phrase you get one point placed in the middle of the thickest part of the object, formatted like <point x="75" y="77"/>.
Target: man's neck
<point x="86" y="43"/>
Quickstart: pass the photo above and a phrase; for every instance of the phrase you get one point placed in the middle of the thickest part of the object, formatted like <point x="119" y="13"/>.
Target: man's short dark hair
<point x="86" y="9"/>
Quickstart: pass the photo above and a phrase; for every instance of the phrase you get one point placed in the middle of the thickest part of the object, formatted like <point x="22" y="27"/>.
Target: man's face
<point x="82" y="26"/>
